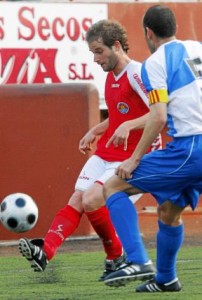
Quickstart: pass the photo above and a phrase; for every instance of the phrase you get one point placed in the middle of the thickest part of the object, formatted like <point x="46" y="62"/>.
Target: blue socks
<point x="125" y="220"/>
<point x="169" y="241"/>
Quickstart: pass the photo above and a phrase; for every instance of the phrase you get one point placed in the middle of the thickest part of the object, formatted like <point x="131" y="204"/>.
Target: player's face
<point x="103" y="55"/>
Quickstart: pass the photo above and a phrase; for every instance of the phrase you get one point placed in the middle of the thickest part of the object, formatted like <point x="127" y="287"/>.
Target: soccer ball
<point x="18" y="212"/>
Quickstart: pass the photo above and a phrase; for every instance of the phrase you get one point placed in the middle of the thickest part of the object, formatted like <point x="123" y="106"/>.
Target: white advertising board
<point x="45" y="43"/>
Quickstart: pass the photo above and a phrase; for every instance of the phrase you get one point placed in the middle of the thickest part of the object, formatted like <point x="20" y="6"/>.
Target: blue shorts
<point x="174" y="173"/>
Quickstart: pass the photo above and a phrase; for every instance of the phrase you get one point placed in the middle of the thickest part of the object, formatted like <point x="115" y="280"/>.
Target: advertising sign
<point x="45" y="43"/>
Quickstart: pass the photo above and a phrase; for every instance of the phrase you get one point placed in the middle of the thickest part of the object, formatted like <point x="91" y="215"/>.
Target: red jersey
<point x="126" y="99"/>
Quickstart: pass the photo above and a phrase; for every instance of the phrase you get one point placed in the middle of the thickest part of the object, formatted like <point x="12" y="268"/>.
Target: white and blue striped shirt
<point x="176" y="68"/>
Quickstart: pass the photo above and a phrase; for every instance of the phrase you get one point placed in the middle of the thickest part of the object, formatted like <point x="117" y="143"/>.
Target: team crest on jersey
<point x="123" y="107"/>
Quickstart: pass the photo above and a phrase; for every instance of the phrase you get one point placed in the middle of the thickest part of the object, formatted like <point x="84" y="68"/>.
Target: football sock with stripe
<point x="124" y="217"/>
<point x="64" y="224"/>
<point x="169" y="241"/>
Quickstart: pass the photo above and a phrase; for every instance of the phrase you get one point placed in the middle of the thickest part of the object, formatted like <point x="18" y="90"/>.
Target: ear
<point x="148" y="33"/>
<point x="117" y="46"/>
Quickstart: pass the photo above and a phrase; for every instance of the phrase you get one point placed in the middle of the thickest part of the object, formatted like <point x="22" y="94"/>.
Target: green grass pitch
<point x="74" y="277"/>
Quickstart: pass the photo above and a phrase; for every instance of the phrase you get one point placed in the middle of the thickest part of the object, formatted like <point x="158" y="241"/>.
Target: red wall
<point x="40" y="127"/>
<point x="188" y="17"/>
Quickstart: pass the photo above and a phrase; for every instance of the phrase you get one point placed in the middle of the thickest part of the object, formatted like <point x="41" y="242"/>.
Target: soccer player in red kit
<point x="119" y="134"/>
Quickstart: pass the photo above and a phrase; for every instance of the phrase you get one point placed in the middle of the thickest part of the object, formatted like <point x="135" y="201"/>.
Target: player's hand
<point x="125" y="169"/>
<point x="120" y="137"/>
<point x="86" y="142"/>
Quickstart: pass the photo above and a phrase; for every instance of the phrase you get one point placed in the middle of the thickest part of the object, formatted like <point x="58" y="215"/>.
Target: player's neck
<point x="160" y="42"/>
<point x="121" y="65"/>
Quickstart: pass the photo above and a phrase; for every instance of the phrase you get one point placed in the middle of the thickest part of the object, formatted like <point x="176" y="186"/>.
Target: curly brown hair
<point x="109" y="31"/>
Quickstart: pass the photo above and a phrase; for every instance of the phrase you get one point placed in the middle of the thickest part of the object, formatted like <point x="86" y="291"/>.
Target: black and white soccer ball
<point x="18" y="212"/>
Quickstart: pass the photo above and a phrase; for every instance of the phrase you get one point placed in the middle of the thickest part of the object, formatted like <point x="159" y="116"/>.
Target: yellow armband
<point x="156" y="96"/>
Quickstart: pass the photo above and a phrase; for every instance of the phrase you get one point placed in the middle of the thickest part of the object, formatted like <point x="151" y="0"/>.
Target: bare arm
<point x="156" y="121"/>
<point x="121" y="134"/>
<point x="89" y="138"/>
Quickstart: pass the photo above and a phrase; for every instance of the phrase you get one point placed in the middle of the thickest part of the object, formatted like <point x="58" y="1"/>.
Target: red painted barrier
<point x="40" y="127"/>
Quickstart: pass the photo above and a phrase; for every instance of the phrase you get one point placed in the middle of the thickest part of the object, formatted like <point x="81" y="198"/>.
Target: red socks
<point x="101" y="222"/>
<point x="64" y="224"/>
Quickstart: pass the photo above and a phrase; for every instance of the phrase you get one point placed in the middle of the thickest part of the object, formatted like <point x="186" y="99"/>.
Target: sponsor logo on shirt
<point x="140" y="83"/>
<point x="115" y="85"/>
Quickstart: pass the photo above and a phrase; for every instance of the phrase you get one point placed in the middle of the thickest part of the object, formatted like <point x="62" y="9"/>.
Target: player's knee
<point x="76" y="200"/>
<point x="88" y="201"/>
<point x="92" y="200"/>
<point x="169" y="215"/>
